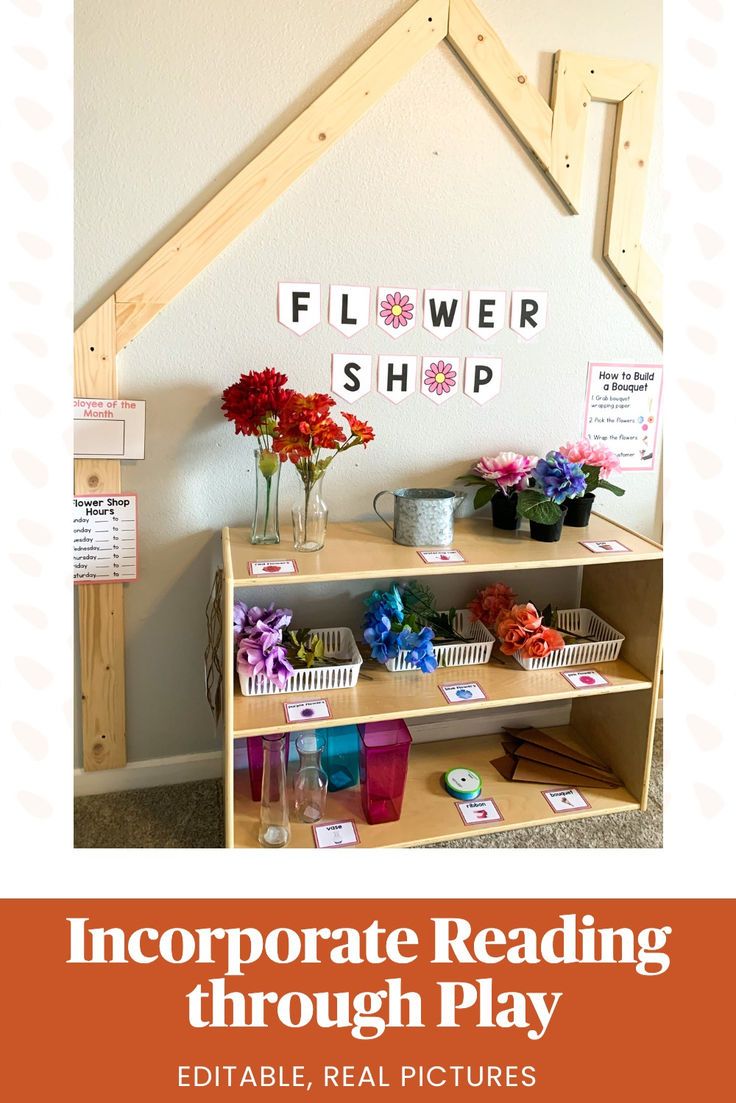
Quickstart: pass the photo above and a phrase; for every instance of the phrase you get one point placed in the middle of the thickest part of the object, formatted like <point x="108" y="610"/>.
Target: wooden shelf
<point x="357" y="550"/>
<point x="428" y="813"/>
<point x="382" y="695"/>
<point x="617" y="718"/>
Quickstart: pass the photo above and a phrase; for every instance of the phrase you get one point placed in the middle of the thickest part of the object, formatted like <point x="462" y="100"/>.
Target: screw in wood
<point x="521" y="79"/>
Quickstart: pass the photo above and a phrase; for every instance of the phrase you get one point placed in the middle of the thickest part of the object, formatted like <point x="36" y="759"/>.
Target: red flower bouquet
<point x="519" y="628"/>
<point x="307" y="431"/>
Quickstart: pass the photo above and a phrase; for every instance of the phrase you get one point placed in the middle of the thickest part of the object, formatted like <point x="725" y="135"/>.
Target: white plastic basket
<point x="338" y="642"/>
<point x="476" y="650"/>
<point x="603" y="648"/>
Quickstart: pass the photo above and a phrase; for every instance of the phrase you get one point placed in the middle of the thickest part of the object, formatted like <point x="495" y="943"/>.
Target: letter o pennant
<point x="482" y="378"/>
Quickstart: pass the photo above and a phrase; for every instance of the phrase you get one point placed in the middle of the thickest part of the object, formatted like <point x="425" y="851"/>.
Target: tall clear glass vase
<point x="310" y="784"/>
<point x="265" y="528"/>
<point x="309" y="515"/>
<point x="274" y="830"/>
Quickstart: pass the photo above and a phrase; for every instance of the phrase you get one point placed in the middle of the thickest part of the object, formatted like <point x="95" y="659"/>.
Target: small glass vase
<point x="274" y="829"/>
<point x="310" y="783"/>
<point x="309" y="516"/>
<point x="265" y="528"/>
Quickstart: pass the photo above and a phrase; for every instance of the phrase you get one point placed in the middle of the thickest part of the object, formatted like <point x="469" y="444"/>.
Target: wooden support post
<point x="101" y="628"/>
<point x="269" y="174"/>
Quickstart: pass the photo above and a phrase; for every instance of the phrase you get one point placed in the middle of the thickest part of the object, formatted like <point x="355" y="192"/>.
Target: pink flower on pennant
<point x="440" y="378"/>
<point x="396" y="310"/>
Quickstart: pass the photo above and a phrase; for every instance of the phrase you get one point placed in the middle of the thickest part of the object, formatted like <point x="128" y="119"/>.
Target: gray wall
<point x="430" y="189"/>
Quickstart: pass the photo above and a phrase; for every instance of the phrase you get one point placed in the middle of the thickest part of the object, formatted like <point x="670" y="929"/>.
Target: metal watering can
<point x="422" y="518"/>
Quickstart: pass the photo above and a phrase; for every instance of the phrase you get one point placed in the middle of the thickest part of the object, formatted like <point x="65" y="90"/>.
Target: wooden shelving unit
<point x="615" y="721"/>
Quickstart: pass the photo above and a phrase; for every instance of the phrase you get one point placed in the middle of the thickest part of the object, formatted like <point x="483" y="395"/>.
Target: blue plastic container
<point x="340" y="763"/>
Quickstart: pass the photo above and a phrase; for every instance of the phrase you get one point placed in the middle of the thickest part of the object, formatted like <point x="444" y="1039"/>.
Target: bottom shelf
<point x="429" y="814"/>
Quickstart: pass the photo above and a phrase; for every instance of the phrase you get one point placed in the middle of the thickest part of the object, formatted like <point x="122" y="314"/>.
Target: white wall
<point x="430" y="189"/>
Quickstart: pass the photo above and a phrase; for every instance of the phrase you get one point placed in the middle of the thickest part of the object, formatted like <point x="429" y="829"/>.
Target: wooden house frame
<point x="553" y="133"/>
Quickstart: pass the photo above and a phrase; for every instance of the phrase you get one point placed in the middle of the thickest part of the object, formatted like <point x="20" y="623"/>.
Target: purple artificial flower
<point x="559" y="478"/>
<point x="258" y="637"/>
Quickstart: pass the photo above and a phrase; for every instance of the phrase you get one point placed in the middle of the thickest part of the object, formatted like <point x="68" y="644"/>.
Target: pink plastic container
<point x="384" y="757"/>
<point x="254" y="747"/>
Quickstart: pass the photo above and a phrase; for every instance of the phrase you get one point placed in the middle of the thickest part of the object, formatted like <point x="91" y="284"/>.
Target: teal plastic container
<point x="341" y="760"/>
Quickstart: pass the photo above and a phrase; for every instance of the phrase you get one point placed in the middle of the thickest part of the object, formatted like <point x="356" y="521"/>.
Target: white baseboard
<point x="198" y="767"/>
<point x="149" y="772"/>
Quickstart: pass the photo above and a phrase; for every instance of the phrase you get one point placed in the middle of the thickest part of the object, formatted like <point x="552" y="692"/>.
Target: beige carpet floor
<point x="190" y="815"/>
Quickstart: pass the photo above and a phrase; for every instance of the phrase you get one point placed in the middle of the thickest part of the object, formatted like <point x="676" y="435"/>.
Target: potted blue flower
<point x="556" y="479"/>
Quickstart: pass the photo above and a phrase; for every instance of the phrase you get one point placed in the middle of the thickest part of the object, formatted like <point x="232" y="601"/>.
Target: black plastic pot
<point x="504" y="512"/>
<point x="548" y="534"/>
<point x="578" y="511"/>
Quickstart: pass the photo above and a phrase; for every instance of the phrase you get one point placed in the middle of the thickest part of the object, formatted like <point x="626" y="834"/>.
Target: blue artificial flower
<point x="558" y="478"/>
<point x="419" y="647"/>
<point x="378" y="634"/>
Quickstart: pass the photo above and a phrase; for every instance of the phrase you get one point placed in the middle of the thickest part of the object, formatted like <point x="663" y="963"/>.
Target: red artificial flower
<point x="360" y="429"/>
<point x="305" y="426"/>
<point x="256" y="398"/>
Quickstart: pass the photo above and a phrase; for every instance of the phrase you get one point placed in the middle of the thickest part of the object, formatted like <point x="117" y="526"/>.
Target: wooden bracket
<point x="555" y="137"/>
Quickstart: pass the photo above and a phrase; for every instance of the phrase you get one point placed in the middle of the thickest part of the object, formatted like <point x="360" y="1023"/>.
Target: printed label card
<point x="604" y="547"/>
<point x="565" y="800"/>
<point x="584" y="679"/>
<point x="351" y="376"/>
<point x="340" y="833"/>
<point x="350" y="308"/>
<point x="397" y="309"/>
<point x="109" y="428"/>
<point x="105" y="535"/>
<point x="452" y="555"/>
<point x="474" y="813"/>
<point x="482" y="378"/>
<point x="315" y="708"/>
<point x="528" y="313"/>
<point x="486" y="312"/>
<point x="440" y="378"/>
<point x="397" y="377"/>
<point x="268" y="567"/>
<point x="442" y="312"/>
<point x="299" y="306"/>
<point x="459" y="693"/>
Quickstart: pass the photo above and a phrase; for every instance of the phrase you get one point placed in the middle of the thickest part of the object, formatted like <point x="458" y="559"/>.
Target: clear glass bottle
<point x="309" y="515"/>
<point x="274" y="830"/>
<point x="310" y="783"/>
<point x="265" y="527"/>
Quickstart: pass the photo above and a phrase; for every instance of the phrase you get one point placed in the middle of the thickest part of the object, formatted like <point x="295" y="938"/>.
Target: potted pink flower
<point x="597" y="462"/>
<point x="500" y="479"/>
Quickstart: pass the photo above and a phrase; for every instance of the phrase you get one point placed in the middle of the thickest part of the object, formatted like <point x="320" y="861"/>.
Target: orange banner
<point x="121" y="1000"/>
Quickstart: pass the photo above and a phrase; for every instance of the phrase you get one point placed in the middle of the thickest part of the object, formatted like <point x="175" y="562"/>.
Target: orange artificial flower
<point x="527" y="617"/>
<point x="360" y="429"/>
<point x="541" y="643"/>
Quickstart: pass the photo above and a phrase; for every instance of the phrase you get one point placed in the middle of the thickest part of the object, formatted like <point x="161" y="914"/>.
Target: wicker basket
<point x="476" y="650"/>
<point x="338" y="641"/>
<point x="603" y="648"/>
